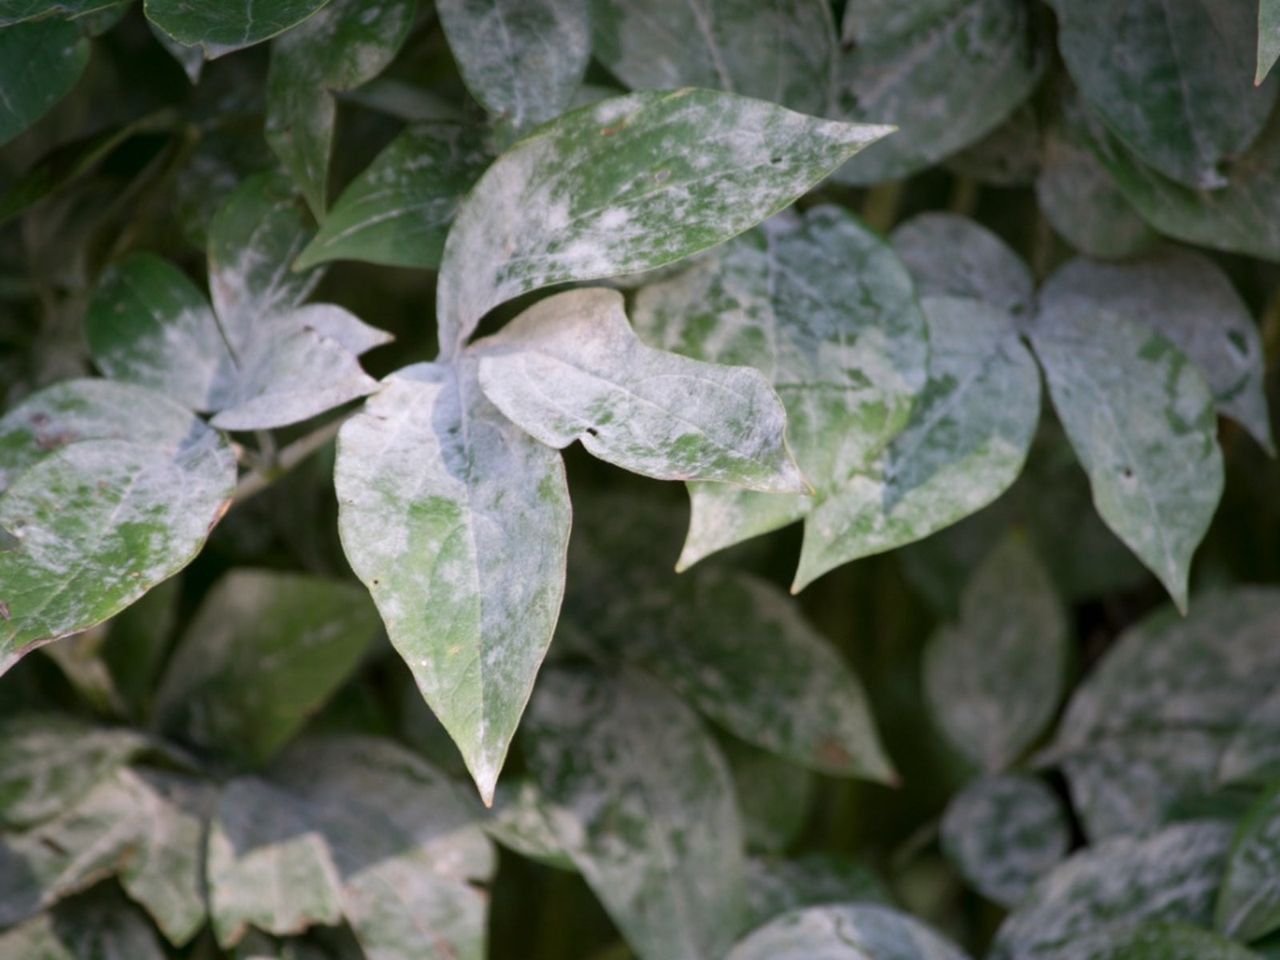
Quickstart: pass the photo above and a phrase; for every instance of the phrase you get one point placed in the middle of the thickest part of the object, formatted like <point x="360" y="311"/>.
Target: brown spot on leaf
<point x="616" y="128"/>
<point x="832" y="753"/>
<point x="5" y="613"/>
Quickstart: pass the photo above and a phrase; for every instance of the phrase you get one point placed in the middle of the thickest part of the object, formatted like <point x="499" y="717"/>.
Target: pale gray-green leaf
<point x="458" y="523"/>
<point x="222" y="28"/>
<point x="39" y="64"/>
<point x="97" y="925"/>
<point x="784" y="52"/>
<point x="521" y="59"/>
<point x="946" y="74"/>
<point x="643" y="804"/>
<point x="344" y="45"/>
<point x="1170" y="876"/>
<point x="1249" y="902"/>
<point x="775" y="887"/>
<point x="571" y="368"/>
<point x="1173" y="81"/>
<point x="398" y="210"/>
<point x="1253" y="753"/>
<point x="994" y="678"/>
<point x="1166" y="941"/>
<point x="1268" y="38"/>
<point x="520" y="822"/>
<point x="625" y="185"/>
<point x="262" y="653"/>
<point x="774" y="796"/>
<point x="846" y="932"/>
<point x="1009" y="156"/>
<point x="1003" y="833"/>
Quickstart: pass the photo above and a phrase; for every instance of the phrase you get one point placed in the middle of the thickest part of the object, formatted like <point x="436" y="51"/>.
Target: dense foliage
<point x="339" y="626"/>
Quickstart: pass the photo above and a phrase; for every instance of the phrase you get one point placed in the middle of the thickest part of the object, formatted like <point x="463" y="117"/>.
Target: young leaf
<point x="784" y="52"/>
<point x="1189" y="299"/>
<point x="822" y="306"/>
<point x="994" y="679"/>
<point x="964" y="445"/>
<point x="458" y="523"/>
<point x="1249" y="902"/>
<point x="99" y="925"/>
<point x="102" y="515"/>
<point x="346" y="44"/>
<point x="40" y="62"/>
<point x="571" y="368"/>
<point x="845" y="933"/>
<point x="625" y="185"/>
<point x="952" y="256"/>
<point x="1141" y="419"/>
<point x="222" y="28"/>
<point x="398" y="210"/>
<point x="521" y="59"/>
<point x="1172" y="81"/>
<point x="1003" y="833"/>
<point x="1170" y="876"/>
<point x="946" y="73"/>
<point x="643" y="804"/>
<point x="1268" y="38"/>
<point x="262" y="653"/>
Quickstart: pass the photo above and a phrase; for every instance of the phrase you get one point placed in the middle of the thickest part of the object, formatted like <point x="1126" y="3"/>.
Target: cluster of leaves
<point x="235" y="749"/>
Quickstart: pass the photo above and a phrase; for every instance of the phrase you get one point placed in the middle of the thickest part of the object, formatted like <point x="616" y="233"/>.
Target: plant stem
<point x="880" y="208"/>
<point x="258" y="479"/>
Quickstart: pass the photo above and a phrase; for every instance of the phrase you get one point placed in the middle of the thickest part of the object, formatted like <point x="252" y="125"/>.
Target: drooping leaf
<point x="952" y="256"/>
<point x="571" y="368"/>
<point x="1171" y="80"/>
<point x="1189" y="299"/>
<point x="1166" y="941"/>
<point x="1249" y="902"/>
<point x="1151" y="723"/>
<point x="1141" y="419"/>
<point x="946" y="73"/>
<point x="398" y="210"/>
<point x="964" y="445"/>
<point x="855" y="932"/>
<point x="1003" y="833"/>
<point x="994" y="678"/>
<point x="643" y="804"/>
<point x="1170" y="876"/>
<point x="344" y="45"/>
<point x="351" y="828"/>
<point x="119" y="491"/>
<point x="783" y="52"/>
<point x="625" y="185"/>
<point x="222" y="28"/>
<point x="262" y="653"/>
<point x="99" y="925"/>
<point x="521" y="59"/>
<point x="40" y="62"/>
<point x="775" y="887"/>
<point x="1268" y="38"/>
<point x="822" y="306"/>
<point x="457" y="522"/>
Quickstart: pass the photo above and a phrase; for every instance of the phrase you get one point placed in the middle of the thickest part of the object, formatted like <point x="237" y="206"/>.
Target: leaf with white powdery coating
<point x="643" y="803"/>
<point x="1141" y="420"/>
<point x="841" y="932"/>
<point x="571" y="368"/>
<point x="458" y="523"/>
<point x="1249" y="901"/>
<point x="222" y="28"/>
<point x="625" y="185"/>
<point x="1268" y="38"/>
<point x="993" y="680"/>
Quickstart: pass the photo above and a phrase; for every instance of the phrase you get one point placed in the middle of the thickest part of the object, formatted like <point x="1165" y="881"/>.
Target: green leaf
<point x="521" y="59"/>
<point x="1003" y="833"/>
<point x="355" y="828"/>
<point x="520" y="821"/>
<point x="946" y="73"/>
<point x="99" y="925"/>
<point x="149" y="325"/>
<point x="784" y="52"/>
<point x="1008" y="156"/>
<point x="1189" y="299"/>
<point x="110" y="503"/>
<point x="775" y="887"/>
<point x="952" y="256"/>
<point x="346" y="44"/>
<point x="263" y="652"/>
<point x="964" y="445"/>
<point x="625" y="185"/>
<point x="1170" y="80"/>
<point x="1151" y="722"/>
<point x="824" y="308"/>
<point x="1166" y="941"/>
<point x="774" y="796"/>
<point x="1249" y="902"/>
<point x="571" y="368"/>
<point x="993" y="679"/>
<point x="643" y="803"/>
<point x="1268" y="38"/>
<point x="855" y="932"/>
<point x="1141" y="420"/>
<point x="1170" y="876"/>
<point x="458" y="523"/>
<point x="398" y="210"/>
<point x="39" y="64"/>
<point x="222" y="28"/>
<point x="17" y="11"/>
